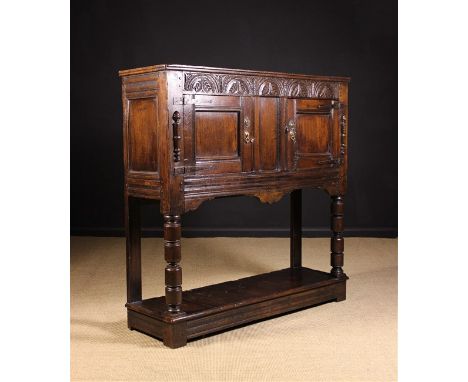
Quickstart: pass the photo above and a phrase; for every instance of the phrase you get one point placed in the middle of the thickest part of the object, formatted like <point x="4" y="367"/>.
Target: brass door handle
<point x="247" y="138"/>
<point x="291" y="129"/>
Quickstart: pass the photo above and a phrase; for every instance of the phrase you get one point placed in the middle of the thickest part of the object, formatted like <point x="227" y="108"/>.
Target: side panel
<point x="142" y="136"/>
<point x="140" y="99"/>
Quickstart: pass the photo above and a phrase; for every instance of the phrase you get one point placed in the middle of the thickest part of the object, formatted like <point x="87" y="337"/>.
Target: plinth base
<point x="221" y="306"/>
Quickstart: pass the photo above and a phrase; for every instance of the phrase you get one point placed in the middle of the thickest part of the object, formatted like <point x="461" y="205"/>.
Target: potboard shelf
<point x="221" y="306"/>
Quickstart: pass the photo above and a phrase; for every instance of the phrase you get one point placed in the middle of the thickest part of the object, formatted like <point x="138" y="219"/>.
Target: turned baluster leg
<point x="296" y="229"/>
<point x="133" y="240"/>
<point x="337" y="241"/>
<point x="172" y="254"/>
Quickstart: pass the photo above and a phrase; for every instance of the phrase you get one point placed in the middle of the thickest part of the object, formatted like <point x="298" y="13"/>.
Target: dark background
<point x="344" y="38"/>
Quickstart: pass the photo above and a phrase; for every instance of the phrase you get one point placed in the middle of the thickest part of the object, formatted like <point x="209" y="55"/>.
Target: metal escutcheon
<point x="247" y="138"/>
<point x="291" y="129"/>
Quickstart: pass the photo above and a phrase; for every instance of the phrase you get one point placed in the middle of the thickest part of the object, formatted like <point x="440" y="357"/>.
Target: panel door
<point x="214" y="134"/>
<point x="312" y="134"/>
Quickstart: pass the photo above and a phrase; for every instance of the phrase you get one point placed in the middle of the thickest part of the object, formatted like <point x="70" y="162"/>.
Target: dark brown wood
<point x="142" y="140"/>
<point x="172" y="255"/>
<point x="176" y="135"/>
<point x="337" y="240"/>
<point x="296" y="229"/>
<point x="192" y="134"/>
<point x="216" y="135"/>
<point x="267" y="131"/>
<point x="226" y="305"/>
<point x="132" y="226"/>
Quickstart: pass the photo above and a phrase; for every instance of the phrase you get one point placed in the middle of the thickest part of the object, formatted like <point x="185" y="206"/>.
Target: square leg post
<point x="133" y="241"/>
<point x="296" y="229"/>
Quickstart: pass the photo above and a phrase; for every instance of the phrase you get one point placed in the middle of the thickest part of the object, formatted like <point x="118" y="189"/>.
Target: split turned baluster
<point x="172" y="254"/>
<point x="337" y="240"/>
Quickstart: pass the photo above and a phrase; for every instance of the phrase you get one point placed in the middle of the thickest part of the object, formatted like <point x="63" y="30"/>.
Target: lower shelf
<point x="221" y="306"/>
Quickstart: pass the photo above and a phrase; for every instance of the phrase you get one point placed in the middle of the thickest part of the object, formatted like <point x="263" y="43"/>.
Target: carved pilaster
<point x="342" y="133"/>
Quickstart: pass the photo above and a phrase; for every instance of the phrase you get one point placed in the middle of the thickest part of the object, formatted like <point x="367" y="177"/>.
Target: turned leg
<point x="133" y="238"/>
<point x="174" y="335"/>
<point x="172" y="254"/>
<point x="337" y="241"/>
<point x="296" y="229"/>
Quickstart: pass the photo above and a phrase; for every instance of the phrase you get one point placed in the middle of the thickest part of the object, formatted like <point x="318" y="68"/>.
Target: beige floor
<point x="354" y="340"/>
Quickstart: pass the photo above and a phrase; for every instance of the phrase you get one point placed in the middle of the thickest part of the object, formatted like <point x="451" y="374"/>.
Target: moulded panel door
<point x="312" y="134"/>
<point x="214" y="134"/>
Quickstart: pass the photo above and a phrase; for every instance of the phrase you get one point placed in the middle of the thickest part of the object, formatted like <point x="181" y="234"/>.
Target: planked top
<point x="207" y="69"/>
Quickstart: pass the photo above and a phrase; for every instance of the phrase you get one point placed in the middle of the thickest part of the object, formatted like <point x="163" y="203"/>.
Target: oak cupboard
<point x="196" y="133"/>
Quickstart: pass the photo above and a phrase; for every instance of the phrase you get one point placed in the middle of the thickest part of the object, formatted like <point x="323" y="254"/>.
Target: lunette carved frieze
<point x="213" y="83"/>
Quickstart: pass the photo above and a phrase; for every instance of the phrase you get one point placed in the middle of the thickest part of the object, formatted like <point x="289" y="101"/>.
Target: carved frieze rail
<point x="212" y="83"/>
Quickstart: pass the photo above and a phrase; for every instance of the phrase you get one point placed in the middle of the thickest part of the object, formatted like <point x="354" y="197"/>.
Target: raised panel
<point x="313" y="133"/>
<point x="142" y="135"/>
<point x="216" y="135"/>
<point x="314" y="105"/>
<point x="267" y="134"/>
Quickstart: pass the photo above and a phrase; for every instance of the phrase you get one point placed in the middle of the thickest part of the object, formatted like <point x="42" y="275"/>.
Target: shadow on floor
<point x="117" y="332"/>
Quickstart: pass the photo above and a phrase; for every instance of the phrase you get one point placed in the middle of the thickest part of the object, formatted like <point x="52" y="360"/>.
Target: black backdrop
<point x="345" y="38"/>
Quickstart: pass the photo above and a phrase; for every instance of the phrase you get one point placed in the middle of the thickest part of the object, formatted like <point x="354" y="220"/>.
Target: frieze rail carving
<point x="212" y="83"/>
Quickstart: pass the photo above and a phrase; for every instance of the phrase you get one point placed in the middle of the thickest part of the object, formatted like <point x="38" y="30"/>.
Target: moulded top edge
<point x="157" y="68"/>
